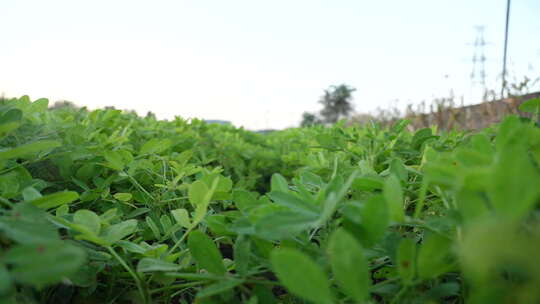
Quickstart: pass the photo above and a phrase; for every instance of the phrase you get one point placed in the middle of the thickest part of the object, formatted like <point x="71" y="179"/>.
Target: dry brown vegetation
<point x="448" y="113"/>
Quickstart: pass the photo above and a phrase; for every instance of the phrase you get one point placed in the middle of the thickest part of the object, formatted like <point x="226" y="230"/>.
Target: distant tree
<point x="309" y="119"/>
<point x="64" y="104"/>
<point x="337" y="102"/>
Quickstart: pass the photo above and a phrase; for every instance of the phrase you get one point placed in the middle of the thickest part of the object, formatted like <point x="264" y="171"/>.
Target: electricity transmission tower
<point x="478" y="74"/>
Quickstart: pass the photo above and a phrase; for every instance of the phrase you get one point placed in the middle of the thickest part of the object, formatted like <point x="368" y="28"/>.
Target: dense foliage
<point x="337" y="104"/>
<point x="108" y="207"/>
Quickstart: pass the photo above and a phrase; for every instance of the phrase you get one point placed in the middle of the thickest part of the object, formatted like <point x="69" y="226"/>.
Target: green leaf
<point x="11" y="115"/>
<point x="497" y="253"/>
<point x="87" y="171"/>
<point x="123" y="197"/>
<point x="132" y="247"/>
<point x="398" y="169"/>
<point x="441" y="174"/>
<point x="301" y="276"/>
<point x="530" y="106"/>
<point x="513" y="184"/>
<point x="312" y="179"/>
<point x="85" y="276"/>
<point x="28" y="232"/>
<point x="137" y="212"/>
<point x="42" y="264"/>
<point x="242" y="252"/>
<point x="8" y="127"/>
<point x="86" y="234"/>
<point x="283" y="224"/>
<point x="482" y="144"/>
<point x="217" y="288"/>
<point x="337" y="190"/>
<point x="421" y="136"/>
<point x="109" y="215"/>
<point x="400" y="125"/>
<point x="393" y="195"/>
<point x="62" y="210"/>
<point x="166" y="223"/>
<point x="55" y="199"/>
<point x="202" y="206"/>
<point x="327" y="140"/>
<point x="9" y="185"/>
<point x="368" y="183"/>
<point x="30" y="193"/>
<point x="472" y="205"/>
<point x="197" y="192"/>
<point x="88" y="219"/>
<point x="114" y="160"/>
<point x="218" y="224"/>
<point x="470" y="158"/>
<point x="5" y="280"/>
<point x="372" y="218"/>
<point x="25" y="101"/>
<point x="28" y="225"/>
<point x="181" y="216"/>
<point x="152" y="265"/>
<point x="116" y="232"/>
<point x="40" y="105"/>
<point x="264" y="295"/>
<point x="29" y="149"/>
<point x="444" y="290"/>
<point x="294" y="203"/>
<point x="434" y="257"/>
<point x="279" y="183"/>
<point x="155" y="146"/>
<point x="155" y="230"/>
<point x="244" y="201"/>
<point x="511" y="130"/>
<point x="349" y="265"/>
<point x="406" y="260"/>
<point x="205" y="252"/>
<point x="25" y="211"/>
<point x="224" y="184"/>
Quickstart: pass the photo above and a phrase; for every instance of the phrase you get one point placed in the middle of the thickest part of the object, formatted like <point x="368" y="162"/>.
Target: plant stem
<point x="182" y="285"/>
<point x="142" y="289"/>
<point x="421" y="199"/>
<point x="384" y="283"/>
<point x="6" y="202"/>
<point x="266" y="282"/>
<point x="399" y="294"/>
<point x="136" y="183"/>
<point x="14" y="167"/>
<point x="180" y="240"/>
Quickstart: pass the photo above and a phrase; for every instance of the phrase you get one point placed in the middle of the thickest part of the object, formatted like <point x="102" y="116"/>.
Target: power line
<point x="503" y="87"/>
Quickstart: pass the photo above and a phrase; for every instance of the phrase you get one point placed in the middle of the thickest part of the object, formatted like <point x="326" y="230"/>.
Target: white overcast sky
<point x="257" y="63"/>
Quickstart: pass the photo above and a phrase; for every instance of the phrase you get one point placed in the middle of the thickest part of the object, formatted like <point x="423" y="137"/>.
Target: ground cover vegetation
<point x="108" y="207"/>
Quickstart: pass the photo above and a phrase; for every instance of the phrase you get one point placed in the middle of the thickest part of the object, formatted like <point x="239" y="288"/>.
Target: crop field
<point x="107" y="207"/>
